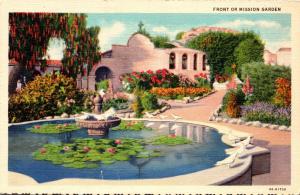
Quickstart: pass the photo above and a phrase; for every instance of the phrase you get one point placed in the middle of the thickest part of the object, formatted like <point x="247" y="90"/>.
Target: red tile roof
<point x="54" y="63"/>
<point x="57" y="63"/>
<point x="13" y="62"/>
<point x="285" y="49"/>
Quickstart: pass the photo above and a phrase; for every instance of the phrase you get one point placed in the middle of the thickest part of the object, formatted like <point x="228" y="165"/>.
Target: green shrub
<point x="267" y="118"/>
<point x="137" y="105"/>
<point x="149" y="101"/>
<point x="232" y="101"/>
<point x="47" y="95"/>
<point x="220" y="49"/>
<point x="263" y="79"/>
<point x="117" y="103"/>
<point x="102" y="85"/>
<point x="249" y="50"/>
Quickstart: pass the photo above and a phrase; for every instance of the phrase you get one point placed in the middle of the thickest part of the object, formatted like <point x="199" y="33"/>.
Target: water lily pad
<point x="108" y="161"/>
<point x="54" y="128"/>
<point x="131" y="126"/>
<point x="170" y="140"/>
<point x="84" y="153"/>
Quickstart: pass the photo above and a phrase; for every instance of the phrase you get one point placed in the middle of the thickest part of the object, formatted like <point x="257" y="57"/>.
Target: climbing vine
<point x="29" y="35"/>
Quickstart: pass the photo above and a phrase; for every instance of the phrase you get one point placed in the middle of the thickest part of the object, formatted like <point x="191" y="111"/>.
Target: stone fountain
<point x="98" y="123"/>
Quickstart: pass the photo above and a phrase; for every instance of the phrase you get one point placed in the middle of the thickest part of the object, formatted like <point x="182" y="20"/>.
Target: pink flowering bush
<point x="232" y="84"/>
<point x="184" y="81"/>
<point x="247" y="87"/>
<point x="202" y="80"/>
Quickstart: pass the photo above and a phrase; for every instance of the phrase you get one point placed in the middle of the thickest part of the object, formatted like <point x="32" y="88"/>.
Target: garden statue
<point x="98" y="100"/>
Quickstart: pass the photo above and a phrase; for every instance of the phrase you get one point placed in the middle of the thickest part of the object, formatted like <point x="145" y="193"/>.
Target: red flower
<point x="37" y="126"/>
<point x="247" y="88"/>
<point x="154" y="79"/>
<point x="43" y="150"/>
<point x="118" y="141"/>
<point x="149" y="71"/>
<point x="111" y="150"/>
<point x="164" y="72"/>
<point x="201" y="75"/>
<point x="130" y="80"/>
<point x="172" y="135"/>
<point x="86" y="149"/>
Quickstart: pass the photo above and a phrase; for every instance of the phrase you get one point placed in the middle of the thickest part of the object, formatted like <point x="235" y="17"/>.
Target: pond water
<point x="206" y="150"/>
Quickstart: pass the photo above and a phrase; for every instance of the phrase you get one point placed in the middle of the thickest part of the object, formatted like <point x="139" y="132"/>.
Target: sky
<point x="274" y="29"/>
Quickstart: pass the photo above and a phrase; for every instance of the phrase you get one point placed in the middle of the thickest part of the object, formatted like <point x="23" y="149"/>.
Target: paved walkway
<point x="279" y="142"/>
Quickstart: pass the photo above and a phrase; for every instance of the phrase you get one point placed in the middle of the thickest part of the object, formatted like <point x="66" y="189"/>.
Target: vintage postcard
<point x="156" y="97"/>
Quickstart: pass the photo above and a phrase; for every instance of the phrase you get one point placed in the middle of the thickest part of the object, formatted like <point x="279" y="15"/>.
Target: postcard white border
<point x="147" y="6"/>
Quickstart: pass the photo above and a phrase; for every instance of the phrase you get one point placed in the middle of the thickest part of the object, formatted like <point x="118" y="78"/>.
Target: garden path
<point x="279" y="142"/>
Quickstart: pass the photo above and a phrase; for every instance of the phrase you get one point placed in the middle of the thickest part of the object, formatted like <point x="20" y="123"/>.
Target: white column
<point x="78" y="82"/>
<point x="178" y="61"/>
<point x="189" y="132"/>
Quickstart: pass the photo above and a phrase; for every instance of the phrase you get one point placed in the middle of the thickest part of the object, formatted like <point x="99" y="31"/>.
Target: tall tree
<point x="179" y="35"/>
<point x="161" y="41"/>
<point x="249" y="50"/>
<point x="29" y="35"/>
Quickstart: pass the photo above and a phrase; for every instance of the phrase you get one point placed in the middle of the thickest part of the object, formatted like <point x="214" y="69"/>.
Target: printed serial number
<point x="277" y="189"/>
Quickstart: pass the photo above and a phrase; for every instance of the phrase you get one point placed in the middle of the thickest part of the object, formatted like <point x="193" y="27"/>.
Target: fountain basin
<point x="101" y="127"/>
<point x="183" y="165"/>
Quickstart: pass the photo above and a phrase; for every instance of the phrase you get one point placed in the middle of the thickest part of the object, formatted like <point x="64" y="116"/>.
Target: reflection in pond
<point x="66" y="137"/>
<point x="139" y="163"/>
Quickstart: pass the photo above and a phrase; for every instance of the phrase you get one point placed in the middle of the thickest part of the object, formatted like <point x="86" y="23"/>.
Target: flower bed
<point x="147" y="80"/>
<point x="267" y="113"/>
<point x="239" y="101"/>
<point x="174" y="93"/>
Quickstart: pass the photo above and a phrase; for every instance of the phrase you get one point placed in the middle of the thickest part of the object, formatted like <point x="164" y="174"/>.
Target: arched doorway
<point x="172" y="61"/>
<point x="204" y="61"/>
<point x="184" y="61"/>
<point x="103" y="73"/>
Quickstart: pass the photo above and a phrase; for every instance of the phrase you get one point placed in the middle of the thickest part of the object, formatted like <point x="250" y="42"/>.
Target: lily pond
<point x="48" y="151"/>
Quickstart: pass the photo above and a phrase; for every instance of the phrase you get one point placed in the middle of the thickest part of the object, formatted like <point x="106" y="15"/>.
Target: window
<point x="172" y="61"/>
<point x="184" y="61"/>
<point x="204" y="63"/>
<point x="195" y="61"/>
